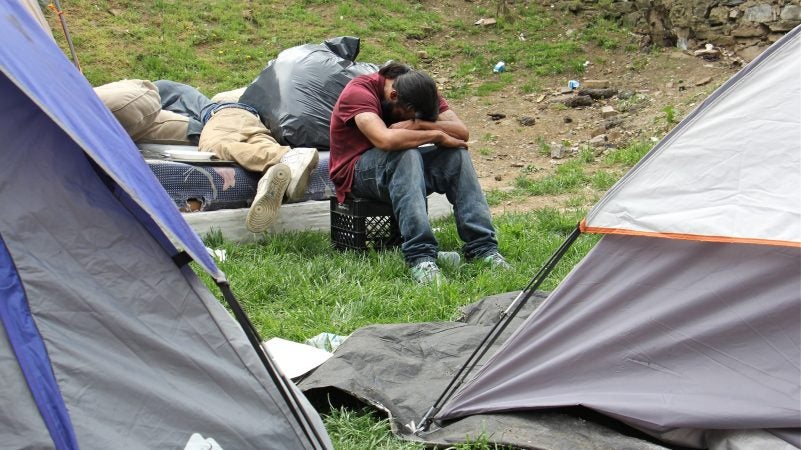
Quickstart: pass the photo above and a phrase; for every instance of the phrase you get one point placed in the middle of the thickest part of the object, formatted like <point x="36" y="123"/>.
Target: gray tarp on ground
<point x="402" y="369"/>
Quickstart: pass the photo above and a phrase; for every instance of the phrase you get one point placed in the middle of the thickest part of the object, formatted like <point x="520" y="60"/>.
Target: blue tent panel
<point x="35" y="65"/>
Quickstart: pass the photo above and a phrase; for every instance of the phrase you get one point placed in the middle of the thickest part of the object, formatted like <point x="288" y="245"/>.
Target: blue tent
<point x="109" y="339"/>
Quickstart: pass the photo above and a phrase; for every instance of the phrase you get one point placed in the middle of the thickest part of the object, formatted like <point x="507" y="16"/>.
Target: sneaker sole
<point x="264" y="210"/>
<point x="297" y="187"/>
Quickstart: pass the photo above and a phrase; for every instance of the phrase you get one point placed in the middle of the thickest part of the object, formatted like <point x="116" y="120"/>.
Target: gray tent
<point x="685" y="320"/>
<point x="107" y="338"/>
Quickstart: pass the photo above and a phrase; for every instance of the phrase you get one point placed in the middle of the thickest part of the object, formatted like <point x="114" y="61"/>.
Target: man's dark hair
<point x="416" y="90"/>
<point x="392" y="70"/>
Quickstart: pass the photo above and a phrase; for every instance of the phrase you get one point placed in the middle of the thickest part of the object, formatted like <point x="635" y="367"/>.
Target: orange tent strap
<point x="55" y="10"/>
<point x="686" y="237"/>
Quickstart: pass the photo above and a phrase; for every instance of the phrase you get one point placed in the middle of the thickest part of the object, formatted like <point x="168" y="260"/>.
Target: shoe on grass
<point x="452" y="259"/>
<point x="269" y="194"/>
<point x="301" y="162"/>
<point x="426" y="272"/>
<point x="496" y="260"/>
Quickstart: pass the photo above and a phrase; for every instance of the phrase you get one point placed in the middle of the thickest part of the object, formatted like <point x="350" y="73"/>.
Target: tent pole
<point x="287" y="392"/>
<point x="503" y="321"/>
<point x="56" y="7"/>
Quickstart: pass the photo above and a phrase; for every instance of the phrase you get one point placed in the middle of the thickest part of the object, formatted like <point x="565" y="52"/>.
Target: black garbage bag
<point x="296" y="92"/>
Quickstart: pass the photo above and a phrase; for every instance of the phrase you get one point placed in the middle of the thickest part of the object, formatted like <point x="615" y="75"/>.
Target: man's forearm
<point x="404" y="139"/>
<point x="456" y="129"/>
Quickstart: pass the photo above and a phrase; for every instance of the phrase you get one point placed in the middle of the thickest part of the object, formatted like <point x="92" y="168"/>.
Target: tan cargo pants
<point x="238" y="135"/>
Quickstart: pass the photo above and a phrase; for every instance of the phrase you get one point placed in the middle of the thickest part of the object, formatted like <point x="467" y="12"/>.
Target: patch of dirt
<point x="652" y="86"/>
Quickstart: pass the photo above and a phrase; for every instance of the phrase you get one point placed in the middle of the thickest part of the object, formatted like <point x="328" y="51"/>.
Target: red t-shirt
<point x="362" y="94"/>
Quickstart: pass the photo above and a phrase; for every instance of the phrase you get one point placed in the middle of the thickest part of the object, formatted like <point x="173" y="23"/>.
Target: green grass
<point x="221" y="45"/>
<point x="294" y="285"/>
<point x="573" y="175"/>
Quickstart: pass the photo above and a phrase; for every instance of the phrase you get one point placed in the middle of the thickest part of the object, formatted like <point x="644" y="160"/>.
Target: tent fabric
<point x="29" y="350"/>
<point x="660" y="334"/>
<point x="687" y="338"/>
<point x="136" y="348"/>
<point x="729" y="171"/>
<point x="67" y="98"/>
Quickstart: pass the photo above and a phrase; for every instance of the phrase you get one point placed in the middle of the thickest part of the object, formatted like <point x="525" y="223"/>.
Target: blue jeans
<point x="405" y="178"/>
<point x="186" y="101"/>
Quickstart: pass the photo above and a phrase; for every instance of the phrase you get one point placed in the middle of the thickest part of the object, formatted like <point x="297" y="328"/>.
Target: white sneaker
<point x="426" y="272"/>
<point x="301" y="162"/>
<point x="269" y="194"/>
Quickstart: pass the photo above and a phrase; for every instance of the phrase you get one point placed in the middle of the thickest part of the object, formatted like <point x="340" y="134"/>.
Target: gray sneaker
<point x="269" y="194"/>
<point x="301" y="162"/>
<point x="496" y="260"/>
<point x="426" y="272"/>
<point x="452" y="259"/>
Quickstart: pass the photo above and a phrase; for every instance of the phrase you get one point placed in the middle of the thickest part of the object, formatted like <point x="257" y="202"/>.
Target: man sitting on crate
<point x="382" y="130"/>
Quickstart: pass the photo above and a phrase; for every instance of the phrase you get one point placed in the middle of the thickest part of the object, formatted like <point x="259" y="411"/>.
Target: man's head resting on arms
<point x="410" y="95"/>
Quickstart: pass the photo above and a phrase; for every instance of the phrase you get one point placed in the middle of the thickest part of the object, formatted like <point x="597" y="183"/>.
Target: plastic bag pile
<point x="296" y="92"/>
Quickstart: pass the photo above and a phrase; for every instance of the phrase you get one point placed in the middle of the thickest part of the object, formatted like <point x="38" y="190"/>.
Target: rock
<point x="498" y="178"/>
<point x="703" y="81"/>
<point x="749" y="53"/>
<point x="626" y="94"/>
<point x="745" y="31"/>
<point x="759" y="13"/>
<point x="422" y="54"/>
<point x="526" y="121"/>
<point x="567" y="119"/>
<point x="608" y="111"/>
<point x="557" y="151"/>
<point x="485" y="22"/>
<point x="496" y="116"/>
<point x="578" y="100"/>
<point x="598" y="140"/>
<point x="783" y="26"/>
<point x="791" y="12"/>
<point x="598" y="93"/>
<point x="596" y="84"/>
<point x="612" y="123"/>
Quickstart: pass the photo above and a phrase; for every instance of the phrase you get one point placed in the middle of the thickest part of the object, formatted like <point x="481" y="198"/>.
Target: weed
<point x="602" y="180"/>
<point x="670" y="114"/>
<point x="629" y="155"/>
<point x="586" y="155"/>
<point x="638" y="64"/>
<point x="543" y="147"/>
<point x="631" y="103"/>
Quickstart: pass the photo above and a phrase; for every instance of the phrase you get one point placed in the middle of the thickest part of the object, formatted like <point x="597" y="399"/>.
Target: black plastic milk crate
<point x="362" y="224"/>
